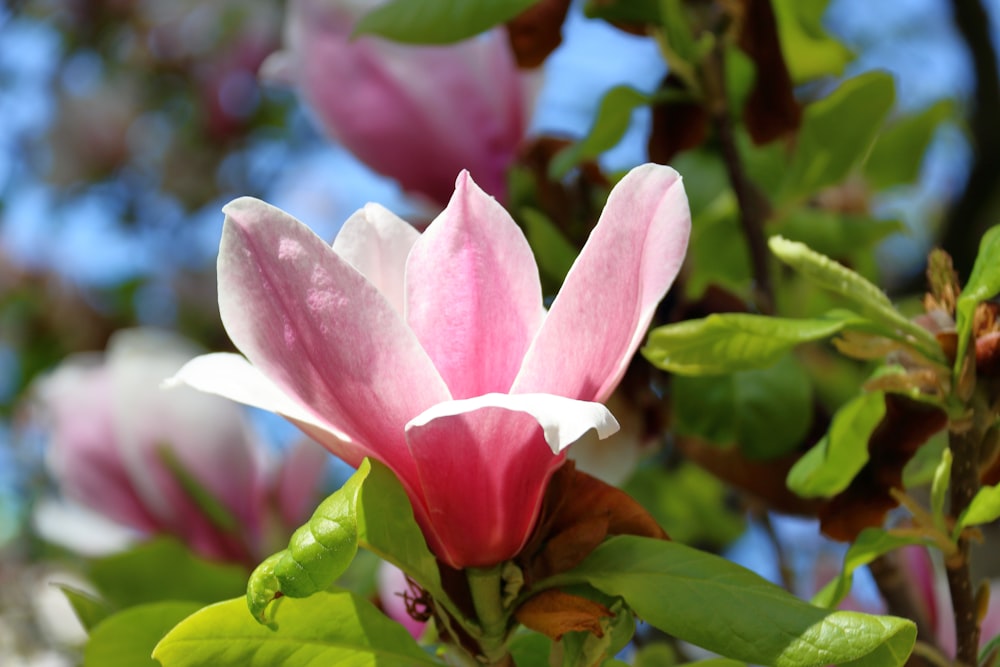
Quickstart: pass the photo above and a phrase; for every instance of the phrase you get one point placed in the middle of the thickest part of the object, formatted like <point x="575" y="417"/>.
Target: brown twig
<point x="753" y="205"/>
<point x="972" y="213"/>
<point x="964" y="485"/>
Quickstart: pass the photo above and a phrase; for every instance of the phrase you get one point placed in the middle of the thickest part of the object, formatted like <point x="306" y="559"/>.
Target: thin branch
<point x="970" y="215"/>
<point x="964" y="484"/>
<point x="753" y="205"/>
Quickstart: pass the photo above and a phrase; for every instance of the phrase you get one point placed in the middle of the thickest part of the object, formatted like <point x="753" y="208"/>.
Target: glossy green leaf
<point x="870" y="544"/>
<point x="438" y="21"/>
<point x="89" y="609"/>
<point x="711" y="602"/>
<point x="837" y="133"/>
<point x="127" y="638"/>
<point x="809" y="51"/>
<point x="899" y="150"/>
<point x="371" y="510"/>
<point x="614" y="116"/>
<point x="330" y="628"/>
<point x="163" y="569"/>
<point x="727" y="342"/>
<point x="766" y="411"/>
<point x="983" y="283"/>
<point x="862" y="293"/>
<point x="984" y="508"/>
<point x="828" y="468"/>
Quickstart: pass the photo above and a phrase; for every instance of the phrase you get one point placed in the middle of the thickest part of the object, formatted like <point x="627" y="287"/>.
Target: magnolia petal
<point x="563" y="420"/>
<point x="205" y="436"/>
<point x="610" y="294"/>
<point x="473" y="294"/>
<point x="377" y="242"/>
<point x="484" y="464"/>
<point x="393" y="105"/>
<point x="321" y="332"/>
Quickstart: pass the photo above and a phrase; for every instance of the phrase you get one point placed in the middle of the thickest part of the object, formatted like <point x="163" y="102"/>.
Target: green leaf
<point x="718" y="605"/>
<point x="614" y="117"/>
<point x="766" y="411"/>
<point x="872" y="301"/>
<point x="127" y="638"/>
<point x="837" y="133"/>
<point x="899" y="151"/>
<point x="870" y="544"/>
<point x="657" y="654"/>
<point x="984" y="508"/>
<point x="530" y="649"/>
<point x="939" y="487"/>
<point x="809" y="52"/>
<point x="89" y="609"/>
<point x="330" y="628"/>
<point x="554" y="254"/>
<point x="727" y="342"/>
<point x="163" y="569"/>
<point x="370" y="510"/>
<point x="438" y="21"/>
<point x="984" y="283"/>
<point x="828" y="468"/>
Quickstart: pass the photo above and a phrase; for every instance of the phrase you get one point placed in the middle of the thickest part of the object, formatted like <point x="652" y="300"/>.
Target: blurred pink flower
<point x="395" y="596"/>
<point x="125" y="447"/>
<point x="434" y="354"/>
<point x="417" y="114"/>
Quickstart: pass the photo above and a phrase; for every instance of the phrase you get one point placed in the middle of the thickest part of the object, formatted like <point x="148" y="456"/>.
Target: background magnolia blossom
<point x="170" y="461"/>
<point x="418" y="114"/>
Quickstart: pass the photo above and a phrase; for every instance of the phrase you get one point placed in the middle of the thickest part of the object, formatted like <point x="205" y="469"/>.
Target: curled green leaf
<point x="727" y="342"/>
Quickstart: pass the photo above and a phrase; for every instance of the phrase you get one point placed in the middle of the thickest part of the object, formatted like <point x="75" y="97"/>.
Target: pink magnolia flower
<point x="417" y="114"/>
<point x="134" y="452"/>
<point x="434" y="354"/>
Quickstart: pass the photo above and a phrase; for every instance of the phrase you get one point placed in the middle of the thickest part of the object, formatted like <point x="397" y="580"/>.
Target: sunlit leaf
<point x="718" y="605"/>
<point x="983" y="283"/>
<point x="371" y="510"/>
<point x="828" y="468"/>
<point x="837" y="133"/>
<point x="868" y="298"/>
<point x="329" y="628"/>
<point x="984" y="508"/>
<point x="871" y="543"/>
<point x="727" y="342"/>
<point x="127" y="638"/>
<point x="438" y="21"/>
<point x="809" y="51"/>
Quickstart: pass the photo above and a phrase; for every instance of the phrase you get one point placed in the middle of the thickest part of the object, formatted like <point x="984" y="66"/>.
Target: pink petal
<point x="484" y="464"/>
<point x="377" y="242"/>
<point x="82" y="454"/>
<point x="416" y="114"/>
<point x="473" y="294"/>
<point x="321" y="332"/>
<point x="603" y="309"/>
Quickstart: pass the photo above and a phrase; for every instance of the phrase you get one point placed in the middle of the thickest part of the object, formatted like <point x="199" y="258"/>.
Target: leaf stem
<point x="486" y="588"/>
